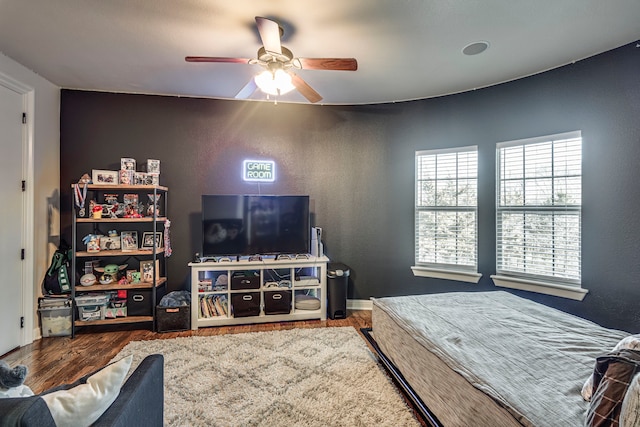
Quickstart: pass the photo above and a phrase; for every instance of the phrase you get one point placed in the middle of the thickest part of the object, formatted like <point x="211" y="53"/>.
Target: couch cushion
<point x="84" y="403"/>
<point x="25" y="411"/>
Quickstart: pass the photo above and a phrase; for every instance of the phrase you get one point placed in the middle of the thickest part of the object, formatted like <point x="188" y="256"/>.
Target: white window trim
<point x="564" y="291"/>
<point x="449" y="274"/>
<point x="459" y="275"/>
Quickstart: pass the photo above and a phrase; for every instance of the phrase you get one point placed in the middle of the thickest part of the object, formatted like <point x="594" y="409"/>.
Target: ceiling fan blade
<point x="341" y="64"/>
<point x="216" y="59"/>
<point x="270" y="34"/>
<point x="247" y="90"/>
<point x="304" y="88"/>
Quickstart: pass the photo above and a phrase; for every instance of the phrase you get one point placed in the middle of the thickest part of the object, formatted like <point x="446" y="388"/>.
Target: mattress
<point x="491" y="358"/>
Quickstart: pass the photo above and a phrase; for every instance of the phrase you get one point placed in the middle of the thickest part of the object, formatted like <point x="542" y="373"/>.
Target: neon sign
<point x="259" y="170"/>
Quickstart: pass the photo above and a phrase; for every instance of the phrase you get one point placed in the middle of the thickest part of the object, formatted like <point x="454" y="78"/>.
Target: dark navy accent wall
<point x="357" y="165"/>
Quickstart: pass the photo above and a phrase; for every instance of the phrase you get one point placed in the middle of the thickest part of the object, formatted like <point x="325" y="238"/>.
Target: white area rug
<point x="297" y="377"/>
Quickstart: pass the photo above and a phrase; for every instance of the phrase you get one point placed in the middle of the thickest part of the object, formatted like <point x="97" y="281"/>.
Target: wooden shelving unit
<point x="82" y="225"/>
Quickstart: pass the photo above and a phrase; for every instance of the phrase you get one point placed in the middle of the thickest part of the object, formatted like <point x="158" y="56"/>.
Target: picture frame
<point x="147" y="268"/>
<point x="104" y="177"/>
<point x="129" y="241"/>
<point x="148" y="239"/>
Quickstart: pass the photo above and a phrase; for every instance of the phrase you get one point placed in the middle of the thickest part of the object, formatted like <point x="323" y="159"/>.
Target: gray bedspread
<point x="530" y="358"/>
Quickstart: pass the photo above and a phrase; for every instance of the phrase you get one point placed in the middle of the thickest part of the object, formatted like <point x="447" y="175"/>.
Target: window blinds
<point x="538" y="210"/>
<point x="446" y="208"/>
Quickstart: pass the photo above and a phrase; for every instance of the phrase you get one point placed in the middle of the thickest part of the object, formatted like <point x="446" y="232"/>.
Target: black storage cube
<point x="245" y="281"/>
<point x="277" y="302"/>
<point x="139" y="302"/>
<point x="173" y="318"/>
<point x="245" y="304"/>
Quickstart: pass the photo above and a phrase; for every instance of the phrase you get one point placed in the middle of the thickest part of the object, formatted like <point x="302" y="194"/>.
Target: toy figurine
<point x="92" y="241"/>
<point x="97" y="211"/>
<point x="110" y="273"/>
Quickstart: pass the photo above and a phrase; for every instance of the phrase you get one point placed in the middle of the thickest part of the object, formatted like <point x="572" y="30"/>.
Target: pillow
<point x="632" y="342"/>
<point x="83" y="404"/>
<point x="612" y="377"/>
<point x="630" y="411"/>
<point x="20" y="391"/>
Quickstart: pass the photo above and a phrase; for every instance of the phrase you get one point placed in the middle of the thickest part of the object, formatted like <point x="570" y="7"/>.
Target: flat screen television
<point x="254" y="225"/>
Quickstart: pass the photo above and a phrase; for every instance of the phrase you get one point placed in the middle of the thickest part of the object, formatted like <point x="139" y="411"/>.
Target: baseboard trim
<point x="359" y="304"/>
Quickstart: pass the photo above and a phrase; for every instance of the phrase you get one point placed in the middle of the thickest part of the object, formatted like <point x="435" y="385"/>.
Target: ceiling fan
<point x="278" y="78"/>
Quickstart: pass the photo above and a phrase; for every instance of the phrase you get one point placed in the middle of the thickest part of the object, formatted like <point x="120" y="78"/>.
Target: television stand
<point x="243" y="291"/>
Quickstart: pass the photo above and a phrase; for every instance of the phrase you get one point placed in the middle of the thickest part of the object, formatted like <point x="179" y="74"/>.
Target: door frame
<point x="28" y="305"/>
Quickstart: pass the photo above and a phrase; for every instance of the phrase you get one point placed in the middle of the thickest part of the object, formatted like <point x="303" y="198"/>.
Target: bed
<point x="489" y="358"/>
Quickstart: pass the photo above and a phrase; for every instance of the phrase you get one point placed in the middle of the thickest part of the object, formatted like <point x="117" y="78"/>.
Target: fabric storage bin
<point x="244" y="280"/>
<point x="56" y="322"/>
<point x="277" y="302"/>
<point x="245" y="304"/>
<point x="173" y="318"/>
<point x="139" y="302"/>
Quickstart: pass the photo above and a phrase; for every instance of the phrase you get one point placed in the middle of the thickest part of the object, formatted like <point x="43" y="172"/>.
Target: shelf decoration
<point x="80" y="196"/>
<point x="167" y="238"/>
<point x="104" y="177"/>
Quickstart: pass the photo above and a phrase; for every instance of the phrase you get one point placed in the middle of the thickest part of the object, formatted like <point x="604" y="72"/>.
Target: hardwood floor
<point x="60" y="360"/>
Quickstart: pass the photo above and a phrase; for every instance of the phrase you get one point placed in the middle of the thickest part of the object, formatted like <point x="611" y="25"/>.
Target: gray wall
<point x="357" y="165"/>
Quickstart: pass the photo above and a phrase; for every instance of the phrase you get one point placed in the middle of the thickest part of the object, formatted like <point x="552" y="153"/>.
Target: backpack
<point x="56" y="281"/>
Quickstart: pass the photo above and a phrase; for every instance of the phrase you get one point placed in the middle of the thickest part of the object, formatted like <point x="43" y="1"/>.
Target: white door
<point x="11" y="218"/>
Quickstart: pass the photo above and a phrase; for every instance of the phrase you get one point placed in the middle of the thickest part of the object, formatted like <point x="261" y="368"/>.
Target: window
<point x="446" y="214"/>
<point x="538" y="214"/>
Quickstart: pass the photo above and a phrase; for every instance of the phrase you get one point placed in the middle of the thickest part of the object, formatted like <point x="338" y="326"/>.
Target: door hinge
<point x="22" y="254"/>
<point x="22" y="322"/>
<point x="24" y="118"/>
<point x="24" y="185"/>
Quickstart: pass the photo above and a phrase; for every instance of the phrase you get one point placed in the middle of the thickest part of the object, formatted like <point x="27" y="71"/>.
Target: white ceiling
<point x="406" y="49"/>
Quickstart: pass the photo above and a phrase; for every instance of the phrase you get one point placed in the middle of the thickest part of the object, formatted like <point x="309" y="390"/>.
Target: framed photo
<point x="103" y="177"/>
<point x="129" y="241"/>
<point x="127" y="164"/>
<point x="148" y="239"/>
<point x="147" y="268"/>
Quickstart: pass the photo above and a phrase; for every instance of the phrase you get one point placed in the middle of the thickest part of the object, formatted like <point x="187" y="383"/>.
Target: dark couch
<point x="140" y="402"/>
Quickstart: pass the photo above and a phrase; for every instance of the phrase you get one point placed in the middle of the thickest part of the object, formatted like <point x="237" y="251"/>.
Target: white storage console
<point x="266" y="290"/>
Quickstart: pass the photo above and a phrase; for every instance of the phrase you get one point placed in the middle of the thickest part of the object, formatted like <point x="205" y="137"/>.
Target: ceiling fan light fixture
<point x="274" y="83"/>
